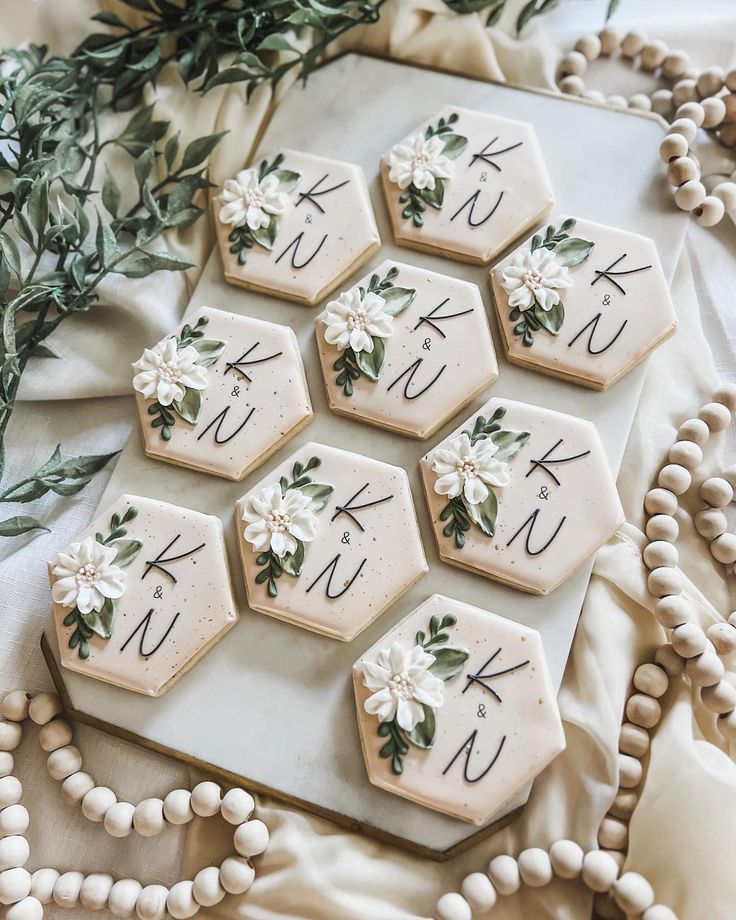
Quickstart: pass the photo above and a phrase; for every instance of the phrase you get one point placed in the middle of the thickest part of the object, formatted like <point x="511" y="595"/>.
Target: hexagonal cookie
<point x="221" y="393"/>
<point x="456" y="709"/>
<point x="142" y="594"/>
<point x="465" y="184"/>
<point x="296" y="225"/>
<point x="521" y="494"/>
<point x="319" y="540"/>
<point x="405" y="348"/>
<point x="583" y="302"/>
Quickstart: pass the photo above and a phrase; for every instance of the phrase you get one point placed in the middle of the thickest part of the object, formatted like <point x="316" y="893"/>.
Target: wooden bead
<point x="15" y="818"/>
<point x="566" y="858"/>
<point x="75" y="787"/>
<point x="727" y="725"/>
<point x="617" y="102"/>
<point x="237" y="806"/>
<point x="664" y="581"/>
<point x="600" y="870"/>
<point x="151" y="903"/>
<point x="123" y="896"/>
<point x="723" y="548"/>
<point x="643" y="710"/>
<point x="503" y="872"/>
<point x="660" y="501"/>
<point x="731" y="80"/>
<point x="668" y="659"/>
<point x="177" y="806"/>
<point x="726" y="394"/>
<point x="15" y="884"/>
<point x="572" y="85"/>
<point x="659" y="912"/>
<point x="687" y="454"/>
<point x="237" y="874"/>
<point x="727" y="136"/>
<point x="689" y="640"/>
<point x="67" y="888"/>
<point x="63" y="762"/>
<point x="726" y="192"/>
<point x="651" y="679"/>
<point x="535" y="867"/>
<point x="453" y="906"/>
<point x="633" y="740"/>
<point x="633" y="893"/>
<point x="672" y="147"/>
<point x="148" y="817"/>
<point x="633" y="43"/>
<point x="180" y="901"/>
<point x="10" y="735"/>
<point x="690" y="195"/>
<point x="44" y="707"/>
<point x="662" y="527"/>
<point x="653" y="54"/>
<point x="629" y="771"/>
<point x="15" y="705"/>
<point x="7" y="763"/>
<point x="14" y="852"/>
<point x="662" y="102"/>
<point x="660" y="553"/>
<point x="711" y="81"/>
<point x="613" y="834"/>
<point x="10" y="791"/>
<point x="118" y="820"/>
<point x="610" y="40"/>
<point x="27" y="909"/>
<point x="574" y="63"/>
<point x="705" y="670"/>
<point x="96" y="803"/>
<point x="624" y="804"/>
<point x="684" y="91"/>
<point x="590" y="47"/>
<point x="710" y="212"/>
<point x="640" y="101"/>
<point x="680" y="171"/>
<point x="595" y="95"/>
<point x="675" y="64"/>
<point x="42" y="884"/>
<point x="206" y="799"/>
<point x="715" y="415"/>
<point x="687" y="129"/>
<point x="54" y="735"/>
<point x="714" y="111"/>
<point x="720" y="698"/>
<point x="675" y="478"/>
<point x="251" y="838"/>
<point x="722" y="635"/>
<point x="695" y="430"/>
<point x="692" y="110"/>
<point x="710" y="523"/>
<point x="207" y="889"/>
<point x="95" y="891"/>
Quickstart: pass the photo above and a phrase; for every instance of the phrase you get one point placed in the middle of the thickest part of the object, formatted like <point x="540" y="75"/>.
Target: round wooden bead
<point x="15" y="705"/>
<point x="687" y="129"/>
<point x="668" y="659"/>
<point x="27" y="909"/>
<point x="95" y="891"/>
<point x="710" y="212"/>
<point x="237" y="806"/>
<point x="595" y="95"/>
<point x="44" y="707"/>
<point x="672" y="147"/>
<point x="574" y="63"/>
<point x="662" y="527"/>
<point x="478" y="891"/>
<point x="691" y="110"/>
<point x="687" y="454"/>
<point x="67" y="888"/>
<point x="710" y="523"/>
<point x="662" y="102"/>
<point x="633" y="43"/>
<point x="660" y="553"/>
<point x="251" y="838"/>
<point x="123" y="896"/>
<point x="64" y="762"/>
<point x="206" y="798"/>
<point x="180" y="901"/>
<point x="653" y="54"/>
<point x="633" y="740"/>
<point x="659" y="912"/>
<point x="624" y="804"/>
<point x="651" y="679"/>
<point x="695" y="430"/>
<point x="711" y="81"/>
<point x="727" y="725"/>
<point x="630" y="771"/>
<point x="685" y="90"/>
<point x="664" y="581"/>
<point x="633" y="893"/>
<point x="42" y="884"/>
<point x="148" y="817"/>
<point x="689" y="640"/>
<point x="15" y="884"/>
<point x="55" y="734"/>
<point x="727" y="393"/>
<point x="675" y="64"/>
<point x="726" y="191"/>
<point x="10" y="735"/>
<point x="118" y="820"/>
<point x="617" y="102"/>
<point x="7" y="762"/>
<point x="15" y="818"/>
<point x="715" y="415"/>
<point x="600" y="870"/>
<point x="723" y="548"/>
<point x="572" y="85"/>
<point x="660" y="501"/>
<point x="151" y="903"/>
<point x="714" y="111"/>
<point x="643" y="710"/>
<point x="566" y="858"/>
<point x="705" y="670"/>
<point x="177" y="806"/>
<point x="640" y="101"/>
<point x="613" y="834"/>
<point x="535" y="867"/>
<point x="610" y="40"/>
<point x="682" y="170"/>
<point x="207" y="889"/>
<point x="690" y="195"/>
<point x="675" y="478"/>
<point x="722" y="635"/>
<point x="720" y="698"/>
<point x="503" y="872"/>
<point x="14" y="852"/>
<point x="453" y="906"/>
<point x="10" y="791"/>
<point x="590" y="47"/>
<point x="96" y="803"/>
<point x="75" y="787"/>
<point x="236" y="875"/>
<point x="727" y="136"/>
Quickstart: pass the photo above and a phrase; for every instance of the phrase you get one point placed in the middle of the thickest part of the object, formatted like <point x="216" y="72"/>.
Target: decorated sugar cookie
<point x="521" y="494"/>
<point x="405" y="348"/>
<point x="329" y="540"/>
<point x="456" y="710"/>
<point x="465" y="184"/>
<point x="582" y="301"/>
<point x="295" y="225"/>
<point x="221" y="393"/>
<point x="141" y="594"/>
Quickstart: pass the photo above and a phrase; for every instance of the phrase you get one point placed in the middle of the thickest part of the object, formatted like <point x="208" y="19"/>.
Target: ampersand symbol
<point x="544" y="493"/>
<point x="159" y="592"/>
<point x="606" y="299"/>
<point x="484" y="177"/>
<point x="427" y="344"/>
<point x="346" y="537"/>
<point x="235" y="391"/>
<point x="308" y="219"/>
<point x="482" y="711"/>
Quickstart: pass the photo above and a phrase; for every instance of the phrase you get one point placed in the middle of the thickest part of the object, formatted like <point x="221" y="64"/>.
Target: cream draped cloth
<point x="684" y="828"/>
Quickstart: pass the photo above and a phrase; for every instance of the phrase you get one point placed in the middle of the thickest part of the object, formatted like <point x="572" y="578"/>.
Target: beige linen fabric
<point x="684" y="830"/>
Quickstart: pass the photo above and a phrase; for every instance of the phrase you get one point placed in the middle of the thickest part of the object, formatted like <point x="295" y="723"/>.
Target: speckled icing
<point x="497" y="728"/>
<point x="499" y="188"/>
<point x="617" y="308"/>
<point x="438" y="356"/>
<point x="374" y="540"/>
<point x="328" y="231"/>
<point x="256" y="398"/>
<point x="559" y="505"/>
<point x="177" y="599"/>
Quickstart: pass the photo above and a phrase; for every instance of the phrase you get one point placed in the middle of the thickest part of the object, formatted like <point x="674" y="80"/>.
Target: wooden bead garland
<point x="697" y="99"/>
<point x="24" y="895"/>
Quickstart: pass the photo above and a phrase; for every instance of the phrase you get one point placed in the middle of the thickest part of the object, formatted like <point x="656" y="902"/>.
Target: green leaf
<point x="10" y="252"/>
<point x="266" y="236"/>
<point x="551" y="319"/>
<point x="149" y="60"/>
<point x="448" y="662"/>
<point x="38" y="206"/>
<point x="209" y="351"/>
<point x="292" y="562"/>
<point x="190" y="406"/>
<point x="199" y="150"/>
<point x="26" y="492"/>
<point x="276" y="43"/>
<point x="143" y="165"/>
<point x="164" y="261"/>
<point x="612" y="7"/>
<point x="434" y="197"/>
<point x="423" y="734"/>
<point x="79" y="467"/>
<point x="484" y="514"/>
<point x="42" y="351"/>
<point x="171" y="150"/>
<point x="319" y="492"/>
<point x="106" y="243"/>
<point x="15" y="526"/>
<point x="100" y="622"/>
<point x="288" y="179"/>
<point x="454" y="145"/>
<point x="509" y="443"/>
<point x="397" y="299"/>
<point x="111" y="194"/>
<point x="573" y="251"/>
<point x="126" y="550"/>
<point x="371" y="362"/>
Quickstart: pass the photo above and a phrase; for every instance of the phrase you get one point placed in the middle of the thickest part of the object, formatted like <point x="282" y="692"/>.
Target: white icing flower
<point x="277" y="521"/>
<point x="401" y="683"/>
<point x="353" y="321"/>
<point x="246" y="201"/>
<point x="468" y="469"/>
<point x="419" y="162"/>
<point x="166" y="371"/>
<point x="87" y="576"/>
<point x="534" y="277"/>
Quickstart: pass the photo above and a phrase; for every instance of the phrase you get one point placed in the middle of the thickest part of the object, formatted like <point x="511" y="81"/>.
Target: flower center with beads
<point x="401" y="686"/>
<point x="255" y="198"/>
<point x="357" y="319"/>
<point x="533" y="280"/>
<point x="467" y="468"/>
<point x="421" y="161"/>
<point x="278" y="522"/>
<point x="169" y="372"/>
<point x="87" y="575"/>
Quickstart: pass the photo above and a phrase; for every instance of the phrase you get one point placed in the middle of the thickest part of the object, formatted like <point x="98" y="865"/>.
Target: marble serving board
<point x="271" y="703"/>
